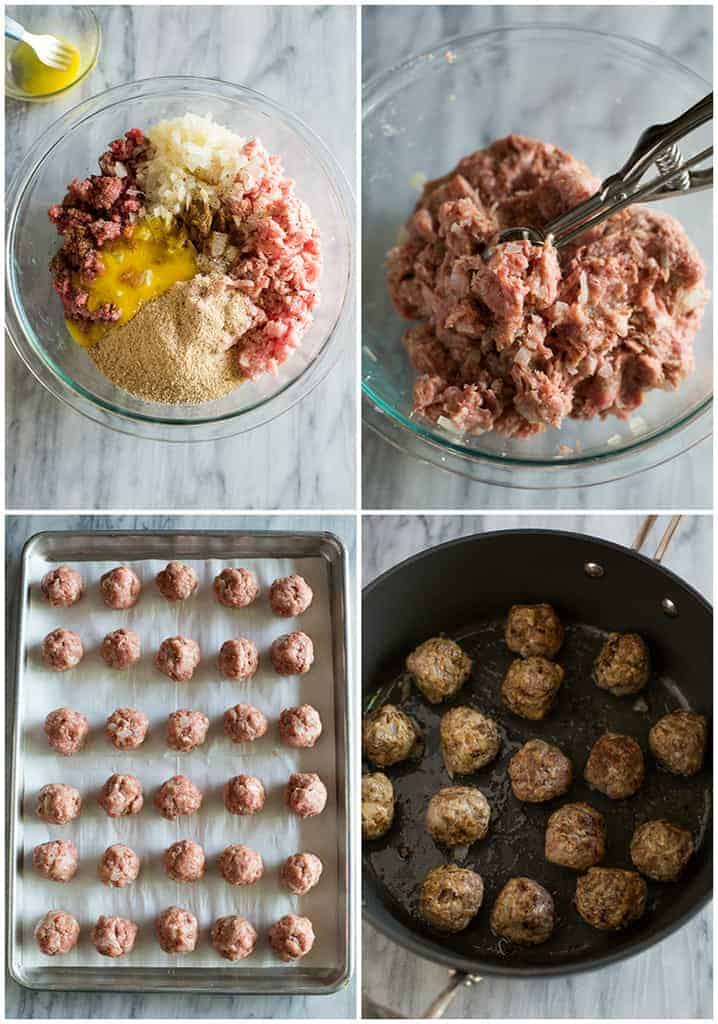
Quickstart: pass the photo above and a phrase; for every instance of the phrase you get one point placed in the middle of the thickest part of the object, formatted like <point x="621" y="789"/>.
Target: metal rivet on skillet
<point x="669" y="607"/>
<point x="594" y="570"/>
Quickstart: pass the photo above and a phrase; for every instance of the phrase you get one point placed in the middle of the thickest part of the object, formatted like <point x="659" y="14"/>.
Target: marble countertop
<point x="393" y="480"/>
<point x="303" y="57"/>
<point x="672" y="979"/>
<point x="22" y="1003"/>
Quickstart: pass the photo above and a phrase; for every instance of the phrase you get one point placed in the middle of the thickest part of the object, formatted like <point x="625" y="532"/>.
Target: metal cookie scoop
<point x="49" y="50"/>
<point x="657" y="145"/>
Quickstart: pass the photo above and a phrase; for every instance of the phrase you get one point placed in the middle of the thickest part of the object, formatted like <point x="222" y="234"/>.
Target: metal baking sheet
<point x="96" y="691"/>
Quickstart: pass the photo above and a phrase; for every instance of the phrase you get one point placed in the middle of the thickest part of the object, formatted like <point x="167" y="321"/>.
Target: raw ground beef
<point x="532" y="335"/>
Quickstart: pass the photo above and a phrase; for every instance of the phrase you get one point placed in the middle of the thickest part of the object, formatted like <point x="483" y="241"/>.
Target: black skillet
<point x="463" y="589"/>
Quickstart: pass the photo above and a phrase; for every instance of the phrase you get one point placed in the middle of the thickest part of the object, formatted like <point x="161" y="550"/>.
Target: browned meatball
<point x="240" y="865"/>
<point x="62" y="587"/>
<point x="377" y="805"/>
<point x="120" y="649"/>
<point x="113" y="936"/>
<point x="184" y="861"/>
<point x="290" y="596"/>
<point x="661" y="850"/>
<point x="576" y="837"/>
<point x="120" y="588"/>
<point x="66" y="731"/>
<point x="177" y="797"/>
<point x="458" y="815"/>
<point x="177" y="658"/>
<point x="292" y="654"/>
<point x="615" y="766"/>
<point x="523" y="912"/>
<point x="57" y="860"/>
<point x="469" y="740"/>
<point x="244" y="794"/>
<point x="623" y="665"/>
<point x="292" y="937"/>
<point x="176" y="930"/>
<point x="530" y="687"/>
<point x="533" y="630"/>
<point x="610" y="898"/>
<point x="451" y="897"/>
<point x="244" y="723"/>
<point x="305" y="794"/>
<point x="439" y="668"/>
<point x="58" y="804"/>
<point x="233" y="937"/>
<point x="62" y="650"/>
<point x="539" y="771"/>
<point x="119" y="866"/>
<point x="238" y="659"/>
<point x="57" y="933"/>
<point x="300" y="727"/>
<point x="389" y="736"/>
<point x="126" y="728"/>
<point x="186" y="729"/>
<point x="121" y="795"/>
<point x="678" y="741"/>
<point x="177" y="582"/>
<point x="301" y="872"/>
<point x="235" y="588"/>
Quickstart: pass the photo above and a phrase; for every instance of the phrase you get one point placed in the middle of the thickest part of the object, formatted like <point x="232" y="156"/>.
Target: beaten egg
<point x="36" y="78"/>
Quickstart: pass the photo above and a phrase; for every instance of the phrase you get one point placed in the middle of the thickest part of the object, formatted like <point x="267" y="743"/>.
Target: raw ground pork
<point x="520" y="342"/>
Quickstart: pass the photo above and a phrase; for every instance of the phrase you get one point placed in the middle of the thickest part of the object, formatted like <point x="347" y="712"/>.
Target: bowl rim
<point x="99" y="409"/>
<point x="25" y="97"/>
<point x="374" y="91"/>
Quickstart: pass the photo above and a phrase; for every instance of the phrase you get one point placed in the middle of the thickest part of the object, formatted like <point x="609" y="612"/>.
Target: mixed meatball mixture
<point x="184" y="861"/>
<point x="57" y="933"/>
<point x="576" y="837"/>
<point x="292" y="654"/>
<point x="177" y="658"/>
<point x="292" y="937"/>
<point x="62" y="587"/>
<point x="244" y="794"/>
<point x="530" y="687"/>
<point x="233" y="937"/>
<point x="121" y="795"/>
<point x="58" y="804"/>
<point x="439" y="668"/>
<point x="301" y="872"/>
<point x="177" y="581"/>
<point x="519" y="339"/>
<point x="610" y="898"/>
<point x="290" y="596"/>
<point x="300" y="727"/>
<point x="539" y="771"/>
<point x="119" y="866"/>
<point x="450" y="897"/>
<point x="661" y="850"/>
<point x="523" y="912"/>
<point x="240" y="865"/>
<point x="244" y="723"/>
<point x="236" y="588"/>
<point x="305" y="794"/>
<point x="458" y="816"/>
<point x="623" y="666"/>
<point x="120" y="649"/>
<point x="186" y="729"/>
<point x="113" y="936"/>
<point x="377" y="805"/>
<point x="62" y="650"/>
<point x="176" y="930"/>
<point x="126" y="728"/>
<point x="533" y="631"/>
<point x="238" y="659"/>
<point x="469" y="740"/>
<point x="178" y="797"/>
<point x="57" y="860"/>
<point x="389" y="736"/>
<point x="615" y="766"/>
<point x="66" y="731"/>
<point x="678" y="741"/>
<point x="120" y="588"/>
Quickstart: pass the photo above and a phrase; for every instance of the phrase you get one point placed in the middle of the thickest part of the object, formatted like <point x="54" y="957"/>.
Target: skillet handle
<point x="459" y="979"/>
<point x="666" y="539"/>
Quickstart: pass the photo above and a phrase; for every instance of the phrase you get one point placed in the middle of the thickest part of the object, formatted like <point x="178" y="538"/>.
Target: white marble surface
<point x="671" y="980"/>
<point x="21" y="1003"/>
<point x="303" y="57"/>
<point x="392" y="480"/>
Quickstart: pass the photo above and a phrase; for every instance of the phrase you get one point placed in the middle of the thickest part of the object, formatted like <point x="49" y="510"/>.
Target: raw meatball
<point x="121" y="795"/>
<point x="66" y="731"/>
<point x="238" y="659"/>
<point x="120" y="588"/>
<point x="244" y="723"/>
<point x="539" y="771"/>
<point x="126" y="728"/>
<point x="186" y="729"/>
<point x="184" y="861"/>
<point x="661" y="850"/>
<point x="57" y="860"/>
<point x="623" y="665"/>
<point x="177" y="796"/>
<point x="458" y="816"/>
<point x="176" y="930"/>
<point x="610" y="898"/>
<point x="61" y="650"/>
<point x="289" y="596"/>
<point x="178" y="657"/>
<point x="292" y="937"/>
<point x="119" y="866"/>
<point x="469" y="740"/>
<point x="233" y="937"/>
<point x="305" y="794"/>
<point x="300" y="727"/>
<point x="177" y="581"/>
<point x="62" y="587"/>
<point x="244" y="794"/>
<point x="523" y="912"/>
<point x="57" y="933"/>
<point x="292" y="654"/>
<point x="240" y="865"/>
<point x="678" y="741"/>
<point x="58" y="804"/>
<point x="121" y="648"/>
<point x="301" y="872"/>
<point x="531" y="686"/>
<point x="235" y="588"/>
<point x="450" y="897"/>
<point x="113" y="936"/>
<point x="575" y="837"/>
<point x="615" y="766"/>
<point x="389" y="736"/>
<point x="439" y="668"/>
<point x="377" y="805"/>
<point x="533" y="630"/>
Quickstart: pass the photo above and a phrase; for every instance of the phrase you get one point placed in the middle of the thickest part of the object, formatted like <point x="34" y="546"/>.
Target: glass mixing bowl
<point x="590" y="93"/>
<point x="69" y="149"/>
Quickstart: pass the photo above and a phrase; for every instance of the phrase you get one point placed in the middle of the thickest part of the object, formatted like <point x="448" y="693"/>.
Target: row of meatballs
<point x="127" y="728"/>
<point x="177" y="932"/>
<point x="178" y="656"/>
<point x="120" y="588"/>
<point x="58" y="803"/>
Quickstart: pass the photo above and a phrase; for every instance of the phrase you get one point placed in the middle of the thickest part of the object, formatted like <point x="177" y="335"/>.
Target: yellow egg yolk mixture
<point x="36" y="78"/>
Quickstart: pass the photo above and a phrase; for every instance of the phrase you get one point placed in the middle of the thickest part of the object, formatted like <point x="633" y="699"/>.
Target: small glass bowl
<point x="588" y="92"/>
<point x="70" y="148"/>
<point x="78" y="25"/>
